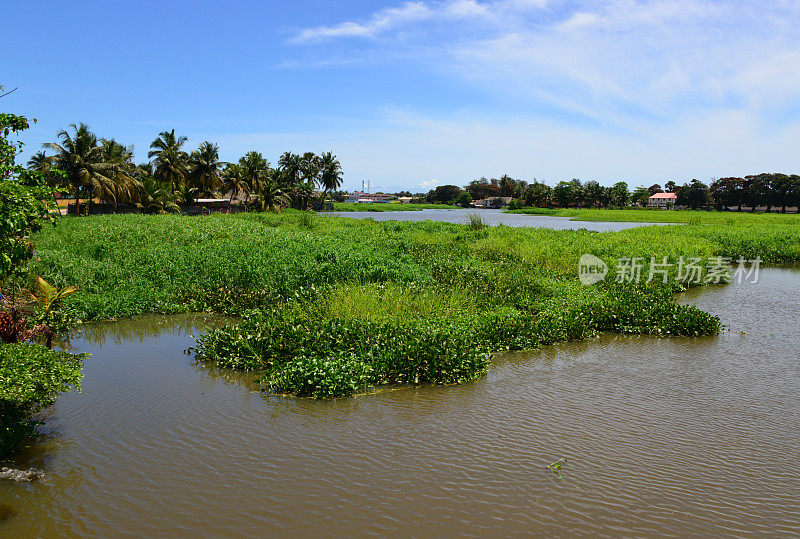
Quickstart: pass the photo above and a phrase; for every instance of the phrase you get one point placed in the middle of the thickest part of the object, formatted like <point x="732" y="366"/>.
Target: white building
<point x="662" y="200"/>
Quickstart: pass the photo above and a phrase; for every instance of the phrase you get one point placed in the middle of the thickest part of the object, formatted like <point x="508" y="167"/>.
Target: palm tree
<point x="82" y="160"/>
<point x="271" y="196"/>
<point x="169" y="160"/>
<point x="330" y="173"/>
<point x="255" y="171"/>
<point x="204" y="168"/>
<point x="43" y="163"/>
<point x="310" y="168"/>
<point x="124" y="188"/>
<point x="154" y="196"/>
<point x="233" y="181"/>
<point x="40" y="162"/>
<point x="290" y="164"/>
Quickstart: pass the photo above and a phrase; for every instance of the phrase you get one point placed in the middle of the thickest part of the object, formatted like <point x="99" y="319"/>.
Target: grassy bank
<point x="646" y="215"/>
<point x="355" y="206"/>
<point x="335" y="305"/>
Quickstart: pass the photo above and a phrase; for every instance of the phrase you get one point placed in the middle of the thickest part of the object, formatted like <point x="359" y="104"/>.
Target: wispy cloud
<point x="388" y="19"/>
<point x="381" y="21"/>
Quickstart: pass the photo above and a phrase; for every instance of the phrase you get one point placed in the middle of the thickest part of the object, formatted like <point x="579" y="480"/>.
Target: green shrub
<point x="31" y="377"/>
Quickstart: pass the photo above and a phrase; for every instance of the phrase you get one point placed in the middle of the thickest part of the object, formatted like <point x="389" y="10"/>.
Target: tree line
<point x="87" y="167"/>
<point x="761" y="190"/>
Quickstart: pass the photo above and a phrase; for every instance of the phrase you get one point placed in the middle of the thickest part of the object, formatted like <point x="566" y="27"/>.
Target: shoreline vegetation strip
<point x="335" y="306"/>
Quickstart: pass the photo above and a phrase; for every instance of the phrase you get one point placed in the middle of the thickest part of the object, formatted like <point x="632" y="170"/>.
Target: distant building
<point x="496" y="202"/>
<point x="361" y="196"/>
<point x="662" y="200"/>
<point x="405" y="200"/>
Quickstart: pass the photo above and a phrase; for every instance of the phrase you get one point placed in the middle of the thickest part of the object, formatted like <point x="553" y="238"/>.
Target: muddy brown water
<point x="661" y="436"/>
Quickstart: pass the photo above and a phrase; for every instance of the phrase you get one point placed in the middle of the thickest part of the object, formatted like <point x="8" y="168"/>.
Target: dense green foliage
<point x="22" y="194"/>
<point x="348" y="297"/>
<point x="31" y="376"/>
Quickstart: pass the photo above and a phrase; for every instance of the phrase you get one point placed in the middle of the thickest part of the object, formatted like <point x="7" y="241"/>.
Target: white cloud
<point x="381" y="21"/>
<point x="388" y="19"/>
<point x="427" y="185"/>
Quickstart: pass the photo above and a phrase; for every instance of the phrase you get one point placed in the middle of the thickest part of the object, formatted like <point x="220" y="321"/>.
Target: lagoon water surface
<point x="660" y="436"/>
<point x="492" y="218"/>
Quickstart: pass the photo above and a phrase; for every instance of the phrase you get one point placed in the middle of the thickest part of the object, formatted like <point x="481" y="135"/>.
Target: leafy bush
<point x="31" y="377"/>
<point x="516" y="204"/>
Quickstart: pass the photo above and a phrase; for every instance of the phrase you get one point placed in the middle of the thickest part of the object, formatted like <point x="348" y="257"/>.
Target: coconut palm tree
<point x="169" y="159"/>
<point x="255" y="171"/>
<point x="289" y="165"/>
<point x="154" y="196"/>
<point x="271" y="197"/>
<point x="330" y="173"/>
<point x="310" y="169"/>
<point x="40" y="162"/>
<point x="233" y="181"/>
<point x="124" y="188"/>
<point x="43" y="163"/>
<point x="82" y="160"/>
<point x="204" y="168"/>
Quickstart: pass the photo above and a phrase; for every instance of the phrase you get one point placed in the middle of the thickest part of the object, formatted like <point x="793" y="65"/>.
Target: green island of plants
<point x="334" y="306"/>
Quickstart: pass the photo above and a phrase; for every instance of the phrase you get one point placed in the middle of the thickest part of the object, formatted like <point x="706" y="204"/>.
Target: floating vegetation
<point x="556" y="466"/>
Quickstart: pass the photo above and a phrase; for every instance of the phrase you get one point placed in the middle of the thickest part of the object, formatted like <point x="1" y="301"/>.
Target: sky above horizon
<point x="410" y="95"/>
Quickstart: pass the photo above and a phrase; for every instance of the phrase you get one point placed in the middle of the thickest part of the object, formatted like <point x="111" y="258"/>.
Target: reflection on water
<point x="145" y="327"/>
<point x="491" y="218"/>
<point x="660" y="436"/>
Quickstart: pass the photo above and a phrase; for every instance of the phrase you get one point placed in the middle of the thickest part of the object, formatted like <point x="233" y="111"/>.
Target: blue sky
<point x="415" y="94"/>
